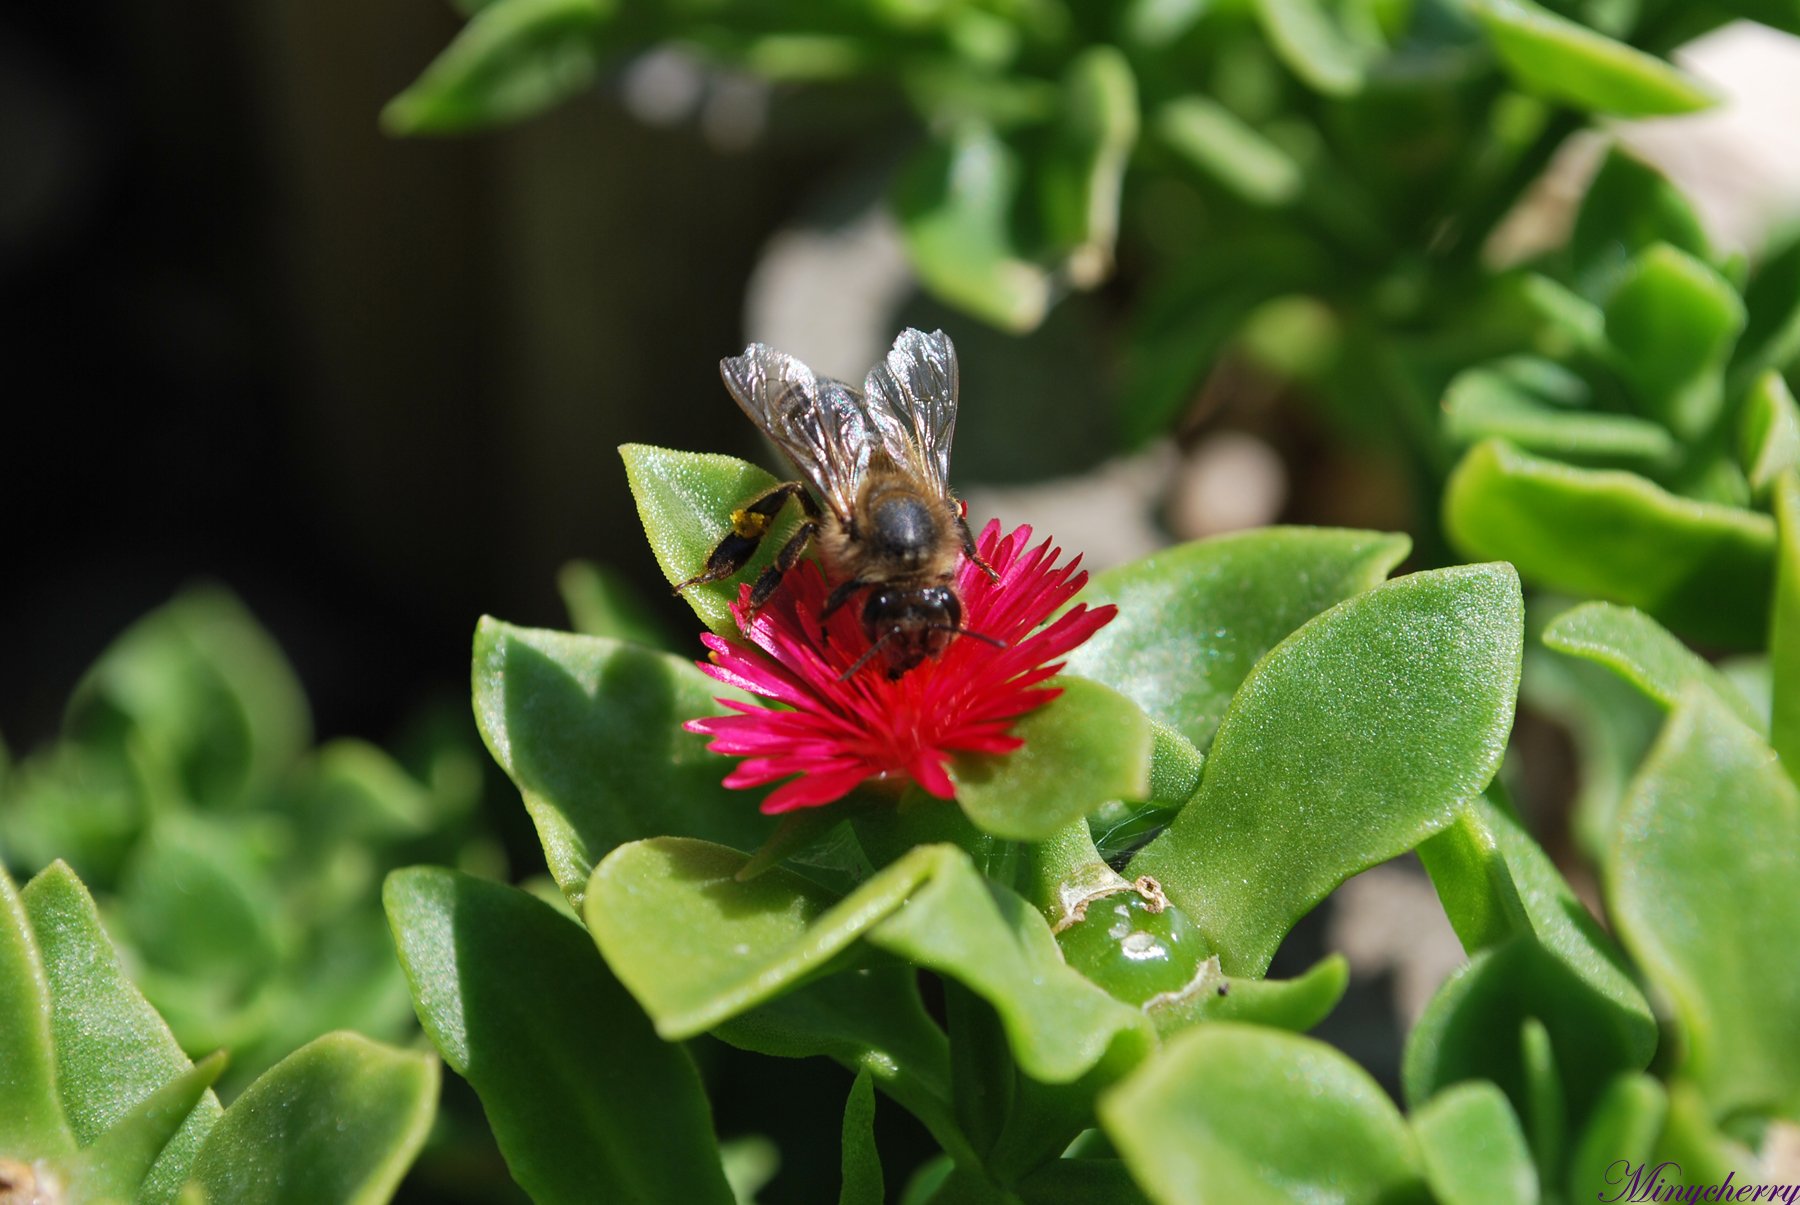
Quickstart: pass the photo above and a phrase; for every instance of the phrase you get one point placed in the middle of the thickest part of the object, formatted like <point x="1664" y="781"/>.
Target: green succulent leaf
<point x="32" y="1125"/>
<point x="115" y="1166"/>
<point x="340" y="1119"/>
<point x="1771" y="339"/>
<point x="1770" y="439"/>
<point x="1291" y="1004"/>
<point x="860" y="1160"/>
<point x="1526" y="403"/>
<point x="1349" y="743"/>
<point x="1560" y="60"/>
<point x="1058" y="1025"/>
<point x="1313" y="45"/>
<point x="601" y="601"/>
<point x="1701" y="568"/>
<point x="1673" y="322"/>
<point x="685" y="500"/>
<point x="871" y="1020"/>
<point x="1473" y="1149"/>
<point x="583" y="1097"/>
<point x="1085" y="169"/>
<point x="202" y="690"/>
<point x="1620" y="1134"/>
<point x="1612" y="724"/>
<point x="1700" y="891"/>
<point x="1194" y="619"/>
<point x="1222" y="146"/>
<point x="1088" y="745"/>
<point x="1497" y="883"/>
<point x="1642" y="652"/>
<point x="1629" y="207"/>
<point x="697" y="946"/>
<point x="1231" y="1112"/>
<point x="113" y="1052"/>
<point x="1463" y="1032"/>
<point x="1536" y="951"/>
<point x="955" y="204"/>
<point x="590" y="731"/>
<point x="513" y="59"/>
<point x="1784" y="630"/>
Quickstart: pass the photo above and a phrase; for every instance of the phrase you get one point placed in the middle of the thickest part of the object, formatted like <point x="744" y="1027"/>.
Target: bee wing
<point x="911" y="403"/>
<point x="818" y="423"/>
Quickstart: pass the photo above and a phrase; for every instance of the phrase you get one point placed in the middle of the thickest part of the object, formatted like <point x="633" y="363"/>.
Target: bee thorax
<point x="903" y="530"/>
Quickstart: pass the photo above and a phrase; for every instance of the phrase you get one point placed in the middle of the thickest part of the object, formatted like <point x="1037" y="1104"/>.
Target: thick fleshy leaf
<point x="340" y="1119"/>
<point x="1058" y="1025"/>
<point x="1307" y="36"/>
<point x="583" y="1097"/>
<point x="1472" y="1030"/>
<point x="1088" y="745"/>
<point x="1081" y="1182"/>
<point x="860" y="1161"/>
<point x="202" y="687"/>
<point x="1085" y="167"/>
<point x="117" y="1164"/>
<point x="513" y="59"/>
<point x="1349" y="743"/>
<point x="697" y="947"/>
<point x="113" y="1051"/>
<point x="590" y="730"/>
<point x="1500" y="889"/>
<point x="1620" y="1135"/>
<point x="1230" y="151"/>
<point x="1194" y="619"/>
<point x="1612" y="724"/>
<point x="1642" y="652"/>
<point x="601" y="601"/>
<point x="1232" y="1112"/>
<point x="1545" y="1110"/>
<point x="1293" y="1004"/>
<point x="1629" y="207"/>
<point x="1560" y="60"/>
<point x="685" y="500"/>
<point x="870" y="1020"/>
<point x="1473" y="1150"/>
<point x="32" y="1125"/>
<point x="1497" y="883"/>
<point x="1701" y="890"/>
<point x="1703" y="569"/>
<point x="1770" y="440"/>
<point x="1784" y="630"/>
<point x="1771" y="338"/>
<point x="1524" y="402"/>
<point x="955" y="204"/>
<point x="1673" y="322"/>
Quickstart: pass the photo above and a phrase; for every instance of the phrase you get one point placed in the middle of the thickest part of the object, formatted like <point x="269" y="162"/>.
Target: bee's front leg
<point x="749" y="524"/>
<point x="784" y="560"/>
<point x="968" y="547"/>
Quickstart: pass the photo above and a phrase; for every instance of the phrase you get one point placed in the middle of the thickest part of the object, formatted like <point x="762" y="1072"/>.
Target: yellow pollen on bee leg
<point x="748" y="523"/>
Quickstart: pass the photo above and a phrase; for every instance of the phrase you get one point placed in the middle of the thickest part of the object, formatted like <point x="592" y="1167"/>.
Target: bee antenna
<point x="985" y="639"/>
<point x="864" y="659"/>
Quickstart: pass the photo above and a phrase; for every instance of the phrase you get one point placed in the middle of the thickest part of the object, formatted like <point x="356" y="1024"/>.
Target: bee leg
<point x="868" y="654"/>
<point x="838" y="597"/>
<point x="749" y="524"/>
<point x="784" y="561"/>
<point x="968" y="544"/>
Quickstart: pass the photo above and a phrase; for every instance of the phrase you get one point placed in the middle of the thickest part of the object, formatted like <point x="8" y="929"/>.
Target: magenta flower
<point x="834" y="733"/>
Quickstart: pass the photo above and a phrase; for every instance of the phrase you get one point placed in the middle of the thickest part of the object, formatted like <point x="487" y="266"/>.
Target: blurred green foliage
<point x="238" y="865"/>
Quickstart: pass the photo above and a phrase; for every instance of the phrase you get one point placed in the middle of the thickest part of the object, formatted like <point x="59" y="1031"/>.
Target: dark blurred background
<point x="373" y="385"/>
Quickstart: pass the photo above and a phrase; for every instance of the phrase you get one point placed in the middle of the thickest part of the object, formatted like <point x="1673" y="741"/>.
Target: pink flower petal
<point x="834" y="733"/>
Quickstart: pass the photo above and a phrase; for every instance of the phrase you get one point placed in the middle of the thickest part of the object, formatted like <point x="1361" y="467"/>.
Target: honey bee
<point x="874" y="489"/>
